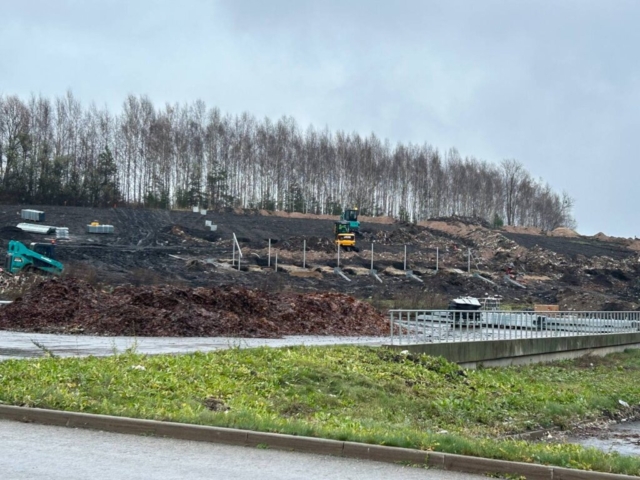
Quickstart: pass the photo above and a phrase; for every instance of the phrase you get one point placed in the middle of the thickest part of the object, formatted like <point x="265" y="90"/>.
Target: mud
<point x="616" y="432"/>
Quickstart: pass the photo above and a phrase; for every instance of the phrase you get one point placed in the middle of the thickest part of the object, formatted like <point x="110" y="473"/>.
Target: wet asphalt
<point x="32" y="452"/>
<point x="15" y="345"/>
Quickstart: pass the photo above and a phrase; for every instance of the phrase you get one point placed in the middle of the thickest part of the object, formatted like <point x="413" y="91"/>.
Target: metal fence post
<point x="405" y="257"/>
<point x="235" y="240"/>
<point x="269" y="261"/>
<point x="304" y="253"/>
<point x="371" y="256"/>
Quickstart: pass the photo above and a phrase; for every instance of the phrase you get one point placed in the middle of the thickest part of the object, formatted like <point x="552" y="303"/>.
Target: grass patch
<point x="346" y="393"/>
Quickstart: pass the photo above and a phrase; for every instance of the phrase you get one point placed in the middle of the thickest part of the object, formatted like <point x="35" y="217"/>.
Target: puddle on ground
<point x="623" y="438"/>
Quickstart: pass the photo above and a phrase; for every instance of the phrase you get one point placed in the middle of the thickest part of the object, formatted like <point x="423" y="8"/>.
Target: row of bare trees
<point x="59" y="152"/>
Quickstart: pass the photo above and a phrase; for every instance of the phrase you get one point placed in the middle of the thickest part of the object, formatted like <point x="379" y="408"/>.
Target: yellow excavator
<point x="345" y="237"/>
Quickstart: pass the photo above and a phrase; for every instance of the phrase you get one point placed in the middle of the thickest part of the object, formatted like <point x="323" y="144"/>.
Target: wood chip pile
<point x="73" y="306"/>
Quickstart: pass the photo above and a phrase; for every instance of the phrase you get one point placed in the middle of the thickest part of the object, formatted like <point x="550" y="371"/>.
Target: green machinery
<point x="351" y="215"/>
<point x="38" y="256"/>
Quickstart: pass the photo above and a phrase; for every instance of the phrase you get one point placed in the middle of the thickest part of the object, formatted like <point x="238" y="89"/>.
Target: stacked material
<point x="99" y="228"/>
<point x="33" y="215"/>
<point x="41" y="229"/>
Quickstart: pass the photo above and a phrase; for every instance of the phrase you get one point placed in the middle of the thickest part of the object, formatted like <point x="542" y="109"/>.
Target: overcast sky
<point x="554" y="84"/>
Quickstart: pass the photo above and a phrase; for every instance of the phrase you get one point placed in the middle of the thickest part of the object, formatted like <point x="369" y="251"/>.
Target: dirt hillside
<point x="177" y="248"/>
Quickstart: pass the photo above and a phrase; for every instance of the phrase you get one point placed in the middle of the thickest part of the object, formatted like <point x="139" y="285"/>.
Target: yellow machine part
<point x="346" y="240"/>
<point x="95" y="223"/>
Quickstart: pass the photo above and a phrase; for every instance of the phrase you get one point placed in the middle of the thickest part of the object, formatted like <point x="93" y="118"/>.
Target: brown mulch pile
<point x="73" y="306"/>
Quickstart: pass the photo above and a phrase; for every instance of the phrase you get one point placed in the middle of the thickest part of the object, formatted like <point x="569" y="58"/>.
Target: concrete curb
<point x="230" y="436"/>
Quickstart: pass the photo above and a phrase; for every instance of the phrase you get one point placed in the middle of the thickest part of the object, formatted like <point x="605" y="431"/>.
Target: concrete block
<point x="462" y="463"/>
<point x="290" y="442"/>
<point x="381" y="453"/>
<point x="436" y="460"/>
<point x="134" y="426"/>
<point x="113" y="424"/>
<point x="356" y="450"/>
<point x="201" y="433"/>
<point x="572" y="474"/>
<point x="32" y="415"/>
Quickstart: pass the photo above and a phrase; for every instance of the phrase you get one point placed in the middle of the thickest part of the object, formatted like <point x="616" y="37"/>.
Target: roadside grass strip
<point x="361" y="394"/>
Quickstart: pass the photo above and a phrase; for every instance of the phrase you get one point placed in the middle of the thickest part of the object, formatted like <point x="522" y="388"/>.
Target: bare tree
<point x="512" y="174"/>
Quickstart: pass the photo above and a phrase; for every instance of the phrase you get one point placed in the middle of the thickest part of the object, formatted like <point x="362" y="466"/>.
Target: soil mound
<point x="73" y="306"/>
<point x="564" y="232"/>
<point x="13" y="233"/>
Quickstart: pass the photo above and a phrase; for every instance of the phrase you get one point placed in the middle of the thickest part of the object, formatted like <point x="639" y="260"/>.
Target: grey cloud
<point x="554" y="84"/>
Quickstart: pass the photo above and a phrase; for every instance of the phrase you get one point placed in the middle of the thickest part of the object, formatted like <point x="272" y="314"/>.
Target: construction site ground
<point x="176" y="265"/>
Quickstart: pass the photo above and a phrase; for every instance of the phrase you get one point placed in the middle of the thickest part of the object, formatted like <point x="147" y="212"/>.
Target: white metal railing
<point x="439" y="326"/>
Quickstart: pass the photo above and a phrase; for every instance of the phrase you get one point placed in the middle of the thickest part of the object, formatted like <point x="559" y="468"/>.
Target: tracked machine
<point x="345" y="238"/>
<point x="37" y="257"/>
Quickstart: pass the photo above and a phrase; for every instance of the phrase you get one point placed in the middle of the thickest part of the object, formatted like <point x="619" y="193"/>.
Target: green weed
<point x="345" y="393"/>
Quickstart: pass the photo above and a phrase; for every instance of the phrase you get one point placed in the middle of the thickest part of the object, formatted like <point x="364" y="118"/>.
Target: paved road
<point x="31" y="345"/>
<point x="31" y="452"/>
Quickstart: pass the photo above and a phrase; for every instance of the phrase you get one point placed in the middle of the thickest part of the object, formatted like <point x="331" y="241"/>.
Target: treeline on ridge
<point x="59" y="152"/>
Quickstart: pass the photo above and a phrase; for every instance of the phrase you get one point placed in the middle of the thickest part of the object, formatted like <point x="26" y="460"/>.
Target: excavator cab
<point x="351" y="215"/>
<point x="46" y="249"/>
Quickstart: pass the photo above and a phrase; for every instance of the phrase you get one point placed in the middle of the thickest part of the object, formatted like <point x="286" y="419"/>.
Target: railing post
<point x="392" y="325"/>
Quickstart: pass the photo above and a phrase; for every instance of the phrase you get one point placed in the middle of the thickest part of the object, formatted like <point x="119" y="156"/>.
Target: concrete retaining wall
<point x="525" y="350"/>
